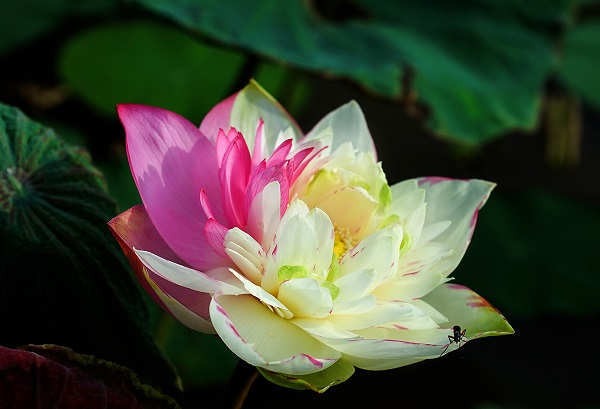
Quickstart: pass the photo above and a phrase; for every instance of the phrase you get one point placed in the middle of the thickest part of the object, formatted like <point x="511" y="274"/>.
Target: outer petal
<point x="133" y="228"/>
<point x="183" y="314"/>
<point x="180" y="287"/>
<point x="349" y="125"/>
<point x="457" y="201"/>
<point x="263" y="339"/>
<point x="171" y="162"/>
<point x="218" y="118"/>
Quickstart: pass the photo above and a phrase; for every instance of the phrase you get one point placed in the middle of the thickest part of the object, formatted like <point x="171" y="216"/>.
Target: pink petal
<point x="261" y="177"/>
<point x="217" y="118"/>
<point x="223" y="142"/>
<point x="234" y="174"/>
<point x="171" y="161"/>
<point x="259" y="142"/>
<point x="215" y="236"/>
<point x="280" y="153"/>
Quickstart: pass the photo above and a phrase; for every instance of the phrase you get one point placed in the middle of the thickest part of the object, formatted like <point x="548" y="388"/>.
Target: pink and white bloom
<point x="293" y="248"/>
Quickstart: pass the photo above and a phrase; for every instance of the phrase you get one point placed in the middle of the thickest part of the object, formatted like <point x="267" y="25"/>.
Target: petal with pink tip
<point x="264" y="339"/>
<point x="463" y="307"/>
<point x="171" y="161"/>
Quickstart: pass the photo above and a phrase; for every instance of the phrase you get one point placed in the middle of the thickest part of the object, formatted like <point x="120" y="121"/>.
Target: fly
<point x="457" y="337"/>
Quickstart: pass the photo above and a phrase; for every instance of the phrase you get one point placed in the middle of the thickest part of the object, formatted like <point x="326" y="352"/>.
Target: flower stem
<point x="239" y="385"/>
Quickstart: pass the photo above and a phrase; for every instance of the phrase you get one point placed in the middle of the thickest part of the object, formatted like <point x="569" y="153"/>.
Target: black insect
<point x="457" y="337"/>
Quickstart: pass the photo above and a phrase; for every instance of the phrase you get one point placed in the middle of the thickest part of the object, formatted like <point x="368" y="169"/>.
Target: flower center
<point x="343" y="241"/>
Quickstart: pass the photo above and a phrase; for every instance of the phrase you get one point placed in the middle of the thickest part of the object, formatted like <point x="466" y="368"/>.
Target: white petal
<point x="184" y="276"/>
<point x="264" y="339"/>
<point x="433" y="230"/>
<point x="323" y="328"/>
<point x="431" y="312"/>
<point x="304" y="297"/>
<point x="266" y="298"/>
<point x="355" y="306"/>
<point x="406" y="201"/>
<point x="422" y="257"/>
<point x="295" y="245"/>
<point x="348" y="124"/>
<point x="408" y="287"/>
<point x="379" y="343"/>
<point x="378" y="251"/>
<point x="403" y="188"/>
<point x="379" y="314"/>
<point x="355" y="284"/>
<point x="324" y="233"/>
<point x="244" y="261"/>
<point x="457" y="201"/>
<point x="437" y="337"/>
<point x="246" y="253"/>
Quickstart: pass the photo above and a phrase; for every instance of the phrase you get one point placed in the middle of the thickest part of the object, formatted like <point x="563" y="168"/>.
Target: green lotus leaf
<point x="479" y="66"/>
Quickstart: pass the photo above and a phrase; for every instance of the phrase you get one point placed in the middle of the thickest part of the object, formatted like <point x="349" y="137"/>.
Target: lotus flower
<point x="293" y="248"/>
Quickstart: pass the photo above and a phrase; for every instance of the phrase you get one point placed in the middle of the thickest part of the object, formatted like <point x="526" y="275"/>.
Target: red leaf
<point x="51" y="376"/>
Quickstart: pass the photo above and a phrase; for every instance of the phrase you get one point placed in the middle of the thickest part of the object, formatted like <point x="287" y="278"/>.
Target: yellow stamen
<point x="343" y="241"/>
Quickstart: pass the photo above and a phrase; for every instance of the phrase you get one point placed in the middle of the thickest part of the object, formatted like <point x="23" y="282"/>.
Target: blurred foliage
<point x="24" y="21"/>
<point x="145" y="62"/>
<point x="581" y="61"/>
<point x="543" y="241"/>
<point x="479" y="66"/>
<point x="137" y="61"/>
